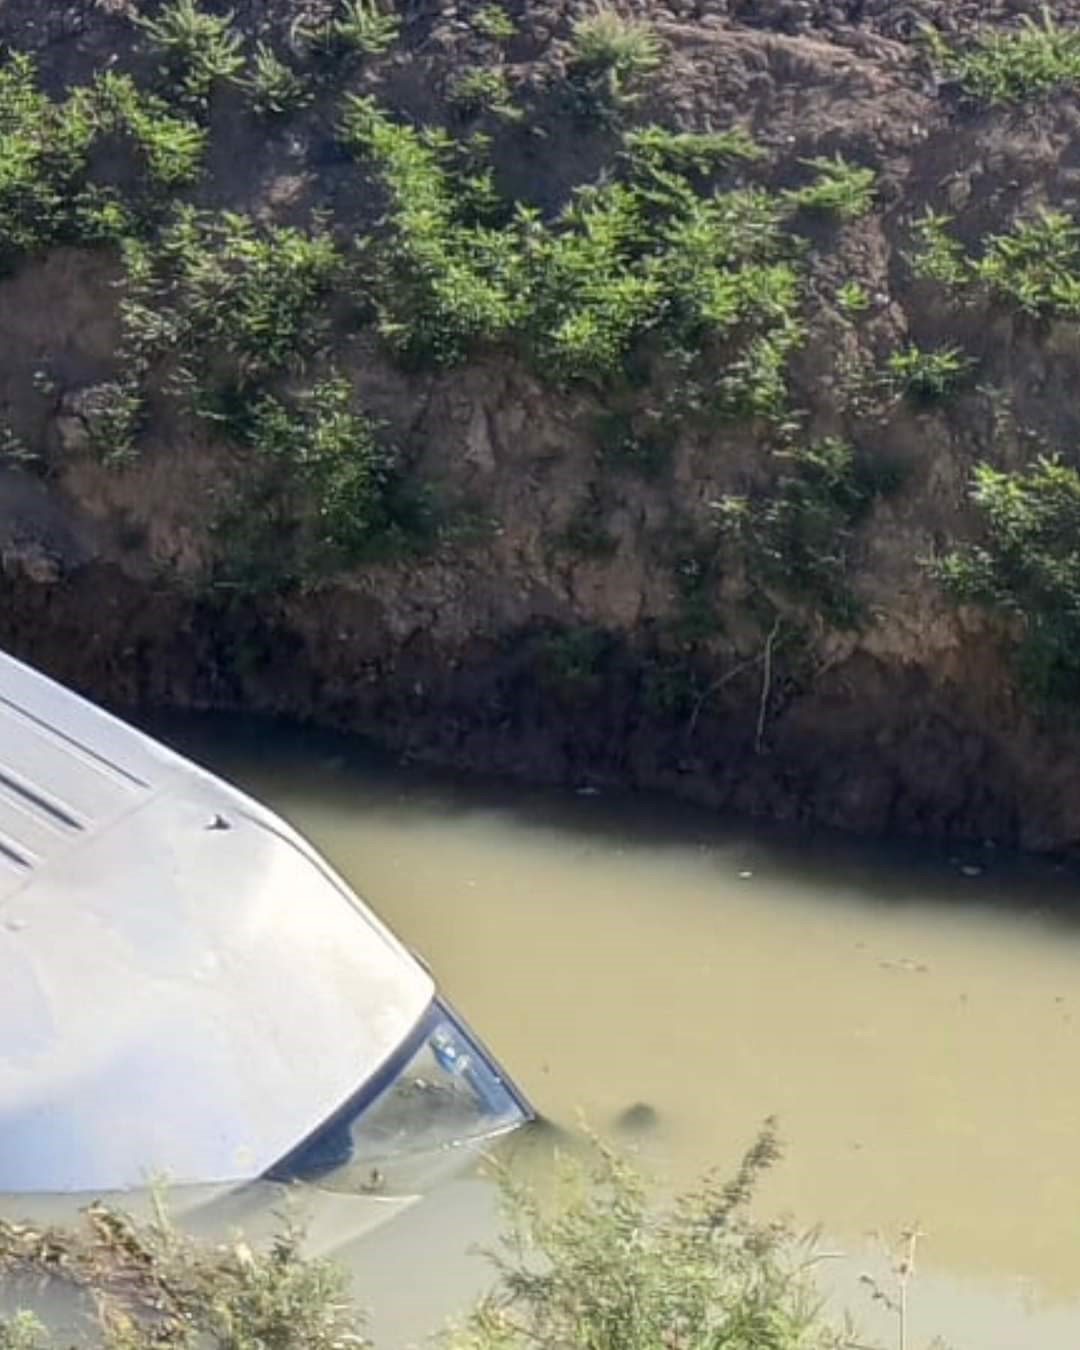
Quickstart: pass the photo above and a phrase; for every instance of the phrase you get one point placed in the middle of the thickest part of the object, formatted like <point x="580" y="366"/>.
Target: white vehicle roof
<point x="187" y="991"/>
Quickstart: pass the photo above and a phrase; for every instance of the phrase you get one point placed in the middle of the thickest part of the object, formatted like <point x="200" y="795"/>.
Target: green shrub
<point x="840" y="189"/>
<point x="852" y="297"/>
<point x="44" y="152"/>
<point x="23" y="1331"/>
<point x="224" y="284"/>
<point x="494" y="23"/>
<point x="443" y="285"/>
<point x="1027" y="567"/>
<point x="484" y="89"/>
<point x="112" y="414"/>
<point x="333" y="453"/>
<point x="610" y="57"/>
<point x="360" y="26"/>
<point x="275" y="88"/>
<point x="592" y="296"/>
<point x="938" y="256"/>
<point x="928" y="376"/>
<point x="200" y="49"/>
<point x="605" y="1268"/>
<point x="621" y="261"/>
<point x="48" y="150"/>
<point x="657" y="147"/>
<point x="171" y="147"/>
<point x="150" y="1286"/>
<point x="798" y="535"/>
<point x="1035" y="265"/>
<point x="1002" y="67"/>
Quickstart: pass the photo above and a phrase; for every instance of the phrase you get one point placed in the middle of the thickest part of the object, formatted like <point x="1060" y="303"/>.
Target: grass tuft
<point x="1037" y="59"/>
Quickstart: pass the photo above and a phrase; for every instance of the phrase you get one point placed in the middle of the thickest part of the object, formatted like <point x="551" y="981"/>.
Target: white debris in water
<point x="745" y="876"/>
<point x="971" y="870"/>
<point x="588" y="792"/>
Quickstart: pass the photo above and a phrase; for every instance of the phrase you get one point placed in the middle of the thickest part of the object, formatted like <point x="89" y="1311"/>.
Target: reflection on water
<point x="913" y="1020"/>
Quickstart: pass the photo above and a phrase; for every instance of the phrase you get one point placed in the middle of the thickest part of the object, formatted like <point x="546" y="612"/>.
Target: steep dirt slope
<point x="577" y="614"/>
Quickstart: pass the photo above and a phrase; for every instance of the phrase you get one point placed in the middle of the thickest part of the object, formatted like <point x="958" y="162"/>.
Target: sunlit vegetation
<point x="602" y="1264"/>
<point x="1036" y="59"/>
<point x="1025" y="566"/>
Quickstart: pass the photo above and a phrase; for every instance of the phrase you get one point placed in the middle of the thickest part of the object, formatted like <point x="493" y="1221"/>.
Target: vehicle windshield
<point x="446" y="1092"/>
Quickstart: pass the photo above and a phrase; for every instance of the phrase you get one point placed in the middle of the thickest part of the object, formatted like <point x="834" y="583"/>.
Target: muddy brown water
<point x="912" y="1018"/>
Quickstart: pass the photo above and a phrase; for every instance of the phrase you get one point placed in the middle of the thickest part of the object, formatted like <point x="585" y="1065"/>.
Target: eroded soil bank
<point x="644" y="571"/>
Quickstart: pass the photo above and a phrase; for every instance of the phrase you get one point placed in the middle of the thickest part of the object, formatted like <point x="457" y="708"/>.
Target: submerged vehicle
<point x="188" y="992"/>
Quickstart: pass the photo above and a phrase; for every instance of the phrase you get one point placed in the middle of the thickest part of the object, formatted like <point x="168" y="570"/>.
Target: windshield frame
<point x="293" y="1167"/>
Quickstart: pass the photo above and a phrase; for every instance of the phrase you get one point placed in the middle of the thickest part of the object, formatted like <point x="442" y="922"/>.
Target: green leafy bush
<point x="48" y="159"/>
<point x="840" y="189"/>
<point x="798" y="535"/>
<point x="658" y="147"/>
<point x="938" y="256"/>
<point x="1027" y="567"/>
<point x="622" y="260"/>
<point x="484" y="89"/>
<point x="200" y="49"/>
<point x="361" y="26"/>
<point x="494" y="23"/>
<point x="275" y="88"/>
<point x="852" y="297"/>
<point x="44" y="151"/>
<point x="604" y="1267"/>
<point x="224" y="284"/>
<point x="928" y="376"/>
<point x="610" y="58"/>
<point x="171" y="146"/>
<point x="153" y="1287"/>
<point x="332" y="452"/>
<point x="443" y="284"/>
<point x="112" y="414"/>
<point x="1028" y="63"/>
<point x="1035" y="265"/>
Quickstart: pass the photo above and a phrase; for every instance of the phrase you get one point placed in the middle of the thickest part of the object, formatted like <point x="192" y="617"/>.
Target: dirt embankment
<point x="573" y="618"/>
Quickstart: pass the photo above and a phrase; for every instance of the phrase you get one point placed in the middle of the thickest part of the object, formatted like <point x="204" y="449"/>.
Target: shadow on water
<point x="297" y="761"/>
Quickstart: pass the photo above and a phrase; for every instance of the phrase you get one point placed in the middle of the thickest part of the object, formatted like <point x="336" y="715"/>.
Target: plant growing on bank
<point x="47" y="190"/>
<point x="714" y="277"/>
<point x="494" y="23"/>
<point x="603" y="1267"/>
<point x="112" y="414"/>
<point x="610" y="58"/>
<point x="333" y="454"/>
<point x="443" y="283"/>
<point x="200" y="49"/>
<point x="938" y="256"/>
<point x="1032" y="61"/>
<point x="360" y="27"/>
<point x="852" y="297"/>
<point x="1033" y="266"/>
<point x="840" y="189"/>
<point x="224" y="283"/>
<point x="658" y="148"/>
<point x="151" y="1287"/>
<point x="484" y="89"/>
<point x="798" y="535"/>
<point x="1026" y="567"/>
<point x="275" y="88"/>
<point x="928" y="376"/>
